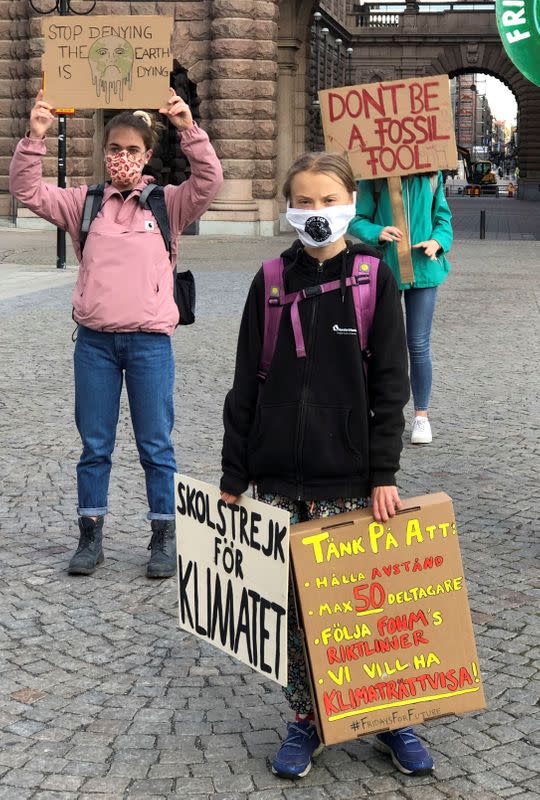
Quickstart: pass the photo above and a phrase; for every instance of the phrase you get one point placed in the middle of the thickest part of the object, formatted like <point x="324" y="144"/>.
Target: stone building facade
<point x="230" y="51"/>
<point x="249" y="66"/>
<point x="339" y="10"/>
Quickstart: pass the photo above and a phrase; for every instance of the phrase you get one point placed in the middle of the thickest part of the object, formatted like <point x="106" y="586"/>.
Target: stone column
<point x="13" y="106"/>
<point x="293" y="88"/>
<point x="528" y="149"/>
<point x="286" y="109"/>
<point x="240" y="102"/>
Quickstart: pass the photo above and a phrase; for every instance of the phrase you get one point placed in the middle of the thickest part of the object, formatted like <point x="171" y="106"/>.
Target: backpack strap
<point x="363" y="282"/>
<point x="153" y="197"/>
<point x="273" y="291"/>
<point x="92" y="204"/>
<point x="364" y="299"/>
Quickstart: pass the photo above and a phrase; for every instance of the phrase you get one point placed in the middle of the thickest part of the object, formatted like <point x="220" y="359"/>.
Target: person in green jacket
<point x="430" y="233"/>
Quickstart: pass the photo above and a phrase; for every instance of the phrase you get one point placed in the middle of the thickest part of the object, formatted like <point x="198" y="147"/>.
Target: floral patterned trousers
<point x="298" y="692"/>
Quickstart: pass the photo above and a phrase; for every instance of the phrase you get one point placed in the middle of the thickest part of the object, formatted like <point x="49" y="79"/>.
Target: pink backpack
<point x="363" y="282"/>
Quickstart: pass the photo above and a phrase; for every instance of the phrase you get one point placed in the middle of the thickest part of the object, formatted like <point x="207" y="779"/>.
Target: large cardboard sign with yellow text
<point x="233" y="575"/>
<point x="107" y="61"/>
<point x="386" y="619"/>
<point x="391" y="128"/>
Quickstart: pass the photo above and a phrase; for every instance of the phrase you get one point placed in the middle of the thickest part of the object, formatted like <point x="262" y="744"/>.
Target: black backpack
<point x="153" y="198"/>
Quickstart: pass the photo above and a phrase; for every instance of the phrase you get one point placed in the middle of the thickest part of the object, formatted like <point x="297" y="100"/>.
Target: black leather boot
<point x="89" y="553"/>
<point x="162" y="562"/>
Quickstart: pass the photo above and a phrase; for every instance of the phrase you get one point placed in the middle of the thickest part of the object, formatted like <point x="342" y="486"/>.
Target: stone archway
<point x="455" y="43"/>
<point x="490" y="59"/>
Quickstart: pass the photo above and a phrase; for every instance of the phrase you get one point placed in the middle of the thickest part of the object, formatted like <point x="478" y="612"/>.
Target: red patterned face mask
<point x="124" y="169"/>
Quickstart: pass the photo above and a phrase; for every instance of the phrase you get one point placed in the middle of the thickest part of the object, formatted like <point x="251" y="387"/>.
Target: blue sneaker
<point x="407" y="751"/>
<point x="302" y="743"/>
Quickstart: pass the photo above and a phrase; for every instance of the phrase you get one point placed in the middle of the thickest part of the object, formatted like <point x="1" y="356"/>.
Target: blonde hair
<point x="329" y="163"/>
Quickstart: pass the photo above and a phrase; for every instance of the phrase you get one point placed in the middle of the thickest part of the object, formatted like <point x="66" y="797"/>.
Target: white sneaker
<point x="421" y="431"/>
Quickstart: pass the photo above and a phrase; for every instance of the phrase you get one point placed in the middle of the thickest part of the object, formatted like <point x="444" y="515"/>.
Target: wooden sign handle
<point x="406" y="272"/>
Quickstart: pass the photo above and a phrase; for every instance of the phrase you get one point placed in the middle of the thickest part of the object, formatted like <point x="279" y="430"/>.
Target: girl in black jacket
<point x="316" y="437"/>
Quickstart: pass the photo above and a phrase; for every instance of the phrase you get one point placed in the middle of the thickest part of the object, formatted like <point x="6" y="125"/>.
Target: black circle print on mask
<point x="318" y="228"/>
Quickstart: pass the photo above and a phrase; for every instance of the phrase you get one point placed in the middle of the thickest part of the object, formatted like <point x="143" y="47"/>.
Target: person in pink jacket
<point x="125" y="309"/>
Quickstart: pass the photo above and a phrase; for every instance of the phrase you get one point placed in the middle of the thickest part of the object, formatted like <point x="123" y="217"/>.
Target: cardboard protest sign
<point x="391" y="128"/>
<point x="386" y="619"/>
<point x="233" y="571"/>
<point x="102" y="62"/>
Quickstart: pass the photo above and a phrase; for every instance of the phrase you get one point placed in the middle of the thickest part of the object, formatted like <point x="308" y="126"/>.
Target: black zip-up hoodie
<point x="314" y="430"/>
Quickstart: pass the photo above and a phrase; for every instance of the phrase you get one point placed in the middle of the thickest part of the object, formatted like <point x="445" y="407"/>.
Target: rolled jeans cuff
<point x="151" y="515"/>
<point x="92" y="512"/>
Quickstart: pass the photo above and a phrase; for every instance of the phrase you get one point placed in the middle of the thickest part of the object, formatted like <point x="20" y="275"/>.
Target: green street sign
<point x="519" y="26"/>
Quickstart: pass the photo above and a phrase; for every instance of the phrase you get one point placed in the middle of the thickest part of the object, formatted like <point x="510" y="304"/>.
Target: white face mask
<point x="322" y="227"/>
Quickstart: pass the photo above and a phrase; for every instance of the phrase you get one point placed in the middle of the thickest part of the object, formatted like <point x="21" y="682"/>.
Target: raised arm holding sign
<point x="107" y="61"/>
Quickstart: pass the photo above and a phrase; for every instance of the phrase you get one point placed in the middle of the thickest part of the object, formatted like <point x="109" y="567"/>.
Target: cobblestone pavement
<point x="103" y="698"/>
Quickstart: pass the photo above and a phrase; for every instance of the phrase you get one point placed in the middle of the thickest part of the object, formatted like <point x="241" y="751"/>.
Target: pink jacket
<point x="125" y="280"/>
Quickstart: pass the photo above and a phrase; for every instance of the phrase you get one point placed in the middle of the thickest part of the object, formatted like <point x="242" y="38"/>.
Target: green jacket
<point x="428" y="217"/>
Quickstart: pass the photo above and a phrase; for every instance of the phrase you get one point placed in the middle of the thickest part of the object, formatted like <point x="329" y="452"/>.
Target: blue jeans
<point x="101" y="360"/>
<point x="419" y="309"/>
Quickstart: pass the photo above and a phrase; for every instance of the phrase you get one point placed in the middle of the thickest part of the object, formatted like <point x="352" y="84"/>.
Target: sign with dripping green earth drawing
<point x="386" y="620"/>
<point x="233" y="575"/>
<point x="519" y="27"/>
<point x="107" y="61"/>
